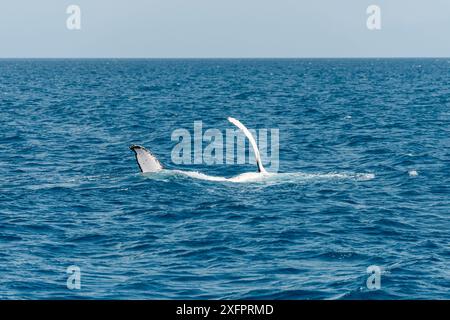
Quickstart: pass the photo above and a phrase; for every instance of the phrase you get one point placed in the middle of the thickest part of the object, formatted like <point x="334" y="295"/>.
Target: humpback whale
<point x="148" y="163"/>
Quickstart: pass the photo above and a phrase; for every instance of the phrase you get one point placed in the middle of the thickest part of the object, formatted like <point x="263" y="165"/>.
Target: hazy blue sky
<point x="224" y="28"/>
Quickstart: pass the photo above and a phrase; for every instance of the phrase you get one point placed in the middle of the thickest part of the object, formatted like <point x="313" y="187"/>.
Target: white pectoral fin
<point x="145" y="160"/>
<point x="252" y="140"/>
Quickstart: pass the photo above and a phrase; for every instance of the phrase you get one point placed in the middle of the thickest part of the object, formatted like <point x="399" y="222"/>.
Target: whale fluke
<point x="252" y="140"/>
<point x="147" y="162"/>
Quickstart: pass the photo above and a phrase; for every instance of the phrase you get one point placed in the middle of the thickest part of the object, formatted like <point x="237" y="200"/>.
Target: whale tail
<point x="252" y="140"/>
<point x="146" y="161"/>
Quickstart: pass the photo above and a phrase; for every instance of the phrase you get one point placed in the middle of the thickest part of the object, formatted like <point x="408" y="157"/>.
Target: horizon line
<point x="222" y="58"/>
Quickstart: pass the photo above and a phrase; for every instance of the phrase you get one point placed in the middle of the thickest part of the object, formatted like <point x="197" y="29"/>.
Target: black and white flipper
<point x="147" y="162"/>
<point x="252" y="140"/>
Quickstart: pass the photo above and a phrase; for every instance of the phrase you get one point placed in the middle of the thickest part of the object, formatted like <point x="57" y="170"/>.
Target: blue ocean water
<point x="71" y="192"/>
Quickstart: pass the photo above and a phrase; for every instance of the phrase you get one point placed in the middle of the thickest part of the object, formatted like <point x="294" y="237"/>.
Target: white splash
<point x="413" y="173"/>
<point x="258" y="177"/>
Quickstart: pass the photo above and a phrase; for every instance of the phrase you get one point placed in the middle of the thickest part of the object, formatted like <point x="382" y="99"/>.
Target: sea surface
<point x="365" y="144"/>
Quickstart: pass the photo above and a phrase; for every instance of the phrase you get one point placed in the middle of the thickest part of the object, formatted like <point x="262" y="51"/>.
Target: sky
<point x="224" y="29"/>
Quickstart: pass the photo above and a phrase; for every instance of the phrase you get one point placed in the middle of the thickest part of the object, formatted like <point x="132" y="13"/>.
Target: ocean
<point x="364" y="144"/>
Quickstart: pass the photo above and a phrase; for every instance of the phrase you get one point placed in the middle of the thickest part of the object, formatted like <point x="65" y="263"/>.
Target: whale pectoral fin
<point x="146" y="161"/>
<point x="252" y="140"/>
